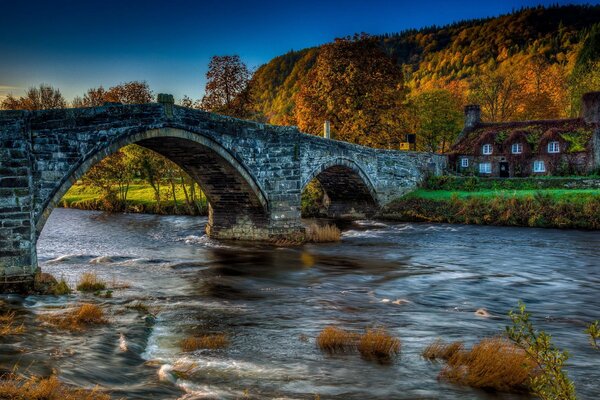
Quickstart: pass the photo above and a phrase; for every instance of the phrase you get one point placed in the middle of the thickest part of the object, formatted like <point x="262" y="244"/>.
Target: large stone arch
<point x="237" y="202"/>
<point x="349" y="193"/>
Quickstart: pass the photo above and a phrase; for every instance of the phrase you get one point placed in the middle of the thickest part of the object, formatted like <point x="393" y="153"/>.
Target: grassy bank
<point x="550" y="208"/>
<point x="141" y="198"/>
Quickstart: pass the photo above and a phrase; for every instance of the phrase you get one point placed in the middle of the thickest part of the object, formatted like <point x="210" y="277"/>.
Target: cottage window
<point x="487" y="149"/>
<point x="517" y="148"/>
<point x="464" y="162"/>
<point x="485" y="168"/>
<point x="553" y="147"/>
<point x="539" y="166"/>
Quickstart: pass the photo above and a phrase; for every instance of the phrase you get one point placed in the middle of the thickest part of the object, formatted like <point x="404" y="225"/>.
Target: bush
<point x="77" y="319"/>
<point x="377" y="344"/>
<point x="8" y="325"/>
<point x="89" y="282"/>
<point x="492" y="364"/>
<point x="551" y="382"/>
<point x="216" y="341"/>
<point x="17" y="387"/>
<point x="61" y="288"/>
<point x="439" y="350"/>
<point x="337" y="340"/>
<point x="323" y="234"/>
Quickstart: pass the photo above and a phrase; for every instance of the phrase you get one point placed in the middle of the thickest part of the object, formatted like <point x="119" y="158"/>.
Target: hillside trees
<point x="357" y="87"/>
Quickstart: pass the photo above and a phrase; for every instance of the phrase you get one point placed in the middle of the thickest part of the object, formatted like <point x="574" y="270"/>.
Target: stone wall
<point x="253" y="174"/>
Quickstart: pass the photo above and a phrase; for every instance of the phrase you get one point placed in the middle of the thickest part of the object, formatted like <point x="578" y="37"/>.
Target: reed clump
<point x="213" y="342"/>
<point x="90" y="282"/>
<point x="323" y="234"/>
<point x="337" y="340"/>
<point x="79" y="318"/>
<point x="8" y="325"/>
<point x="377" y="344"/>
<point x="492" y="364"/>
<point x="439" y="350"/>
<point x="17" y="387"/>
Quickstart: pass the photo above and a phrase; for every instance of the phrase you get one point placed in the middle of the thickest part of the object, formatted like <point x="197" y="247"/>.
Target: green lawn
<point x="557" y="194"/>
<point x="142" y="194"/>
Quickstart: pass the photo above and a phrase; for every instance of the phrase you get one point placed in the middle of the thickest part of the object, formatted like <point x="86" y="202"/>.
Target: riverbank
<point x="536" y="202"/>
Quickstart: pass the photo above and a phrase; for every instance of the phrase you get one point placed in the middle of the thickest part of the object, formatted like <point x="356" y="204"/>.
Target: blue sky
<point x="75" y="45"/>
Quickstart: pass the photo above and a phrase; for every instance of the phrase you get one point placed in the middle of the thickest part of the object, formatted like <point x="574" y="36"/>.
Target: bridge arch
<point x="236" y="200"/>
<point x="349" y="193"/>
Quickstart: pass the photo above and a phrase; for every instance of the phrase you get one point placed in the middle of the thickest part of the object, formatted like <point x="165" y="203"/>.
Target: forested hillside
<point x="534" y="63"/>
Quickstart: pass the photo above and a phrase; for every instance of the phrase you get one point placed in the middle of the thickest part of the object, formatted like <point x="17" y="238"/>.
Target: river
<point x="421" y="281"/>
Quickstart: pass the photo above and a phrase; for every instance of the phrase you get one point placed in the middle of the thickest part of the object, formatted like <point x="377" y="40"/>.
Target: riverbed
<point x="420" y="281"/>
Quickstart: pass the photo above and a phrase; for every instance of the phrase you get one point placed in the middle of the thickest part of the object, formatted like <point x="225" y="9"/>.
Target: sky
<point x="76" y="45"/>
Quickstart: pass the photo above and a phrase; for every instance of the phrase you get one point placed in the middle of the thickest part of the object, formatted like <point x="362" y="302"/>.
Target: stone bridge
<point x="252" y="174"/>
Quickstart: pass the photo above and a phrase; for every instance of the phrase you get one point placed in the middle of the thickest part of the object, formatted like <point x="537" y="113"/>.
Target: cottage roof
<point x="532" y="132"/>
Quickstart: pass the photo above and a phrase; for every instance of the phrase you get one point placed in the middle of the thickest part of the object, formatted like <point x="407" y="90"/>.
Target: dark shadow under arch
<point x="231" y="190"/>
<point x="349" y="192"/>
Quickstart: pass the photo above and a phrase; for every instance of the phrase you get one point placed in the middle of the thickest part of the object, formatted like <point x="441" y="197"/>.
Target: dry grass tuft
<point x="323" y="234"/>
<point x="439" y="350"/>
<point x="8" y="325"/>
<point x="89" y="282"/>
<point x="337" y="340"/>
<point x="216" y="341"/>
<point x="78" y="318"/>
<point x="378" y="344"/>
<point x="492" y="364"/>
<point x="17" y="387"/>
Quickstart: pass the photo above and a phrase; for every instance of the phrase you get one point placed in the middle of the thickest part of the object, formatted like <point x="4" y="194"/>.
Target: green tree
<point x="439" y="119"/>
<point x="358" y="88"/>
<point x="37" y="98"/>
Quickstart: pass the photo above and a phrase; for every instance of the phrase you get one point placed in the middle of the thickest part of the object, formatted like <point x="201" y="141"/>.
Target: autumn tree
<point x="497" y="91"/>
<point x="134" y="92"/>
<point x="439" y="119"/>
<point x="37" y="98"/>
<point x="227" y="91"/>
<point x="358" y="88"/>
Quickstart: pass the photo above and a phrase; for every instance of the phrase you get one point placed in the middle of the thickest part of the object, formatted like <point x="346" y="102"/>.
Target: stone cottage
<point x="544" y="147"/>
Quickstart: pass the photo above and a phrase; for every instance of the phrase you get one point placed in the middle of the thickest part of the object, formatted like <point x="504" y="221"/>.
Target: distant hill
<point x="441" y="54"/>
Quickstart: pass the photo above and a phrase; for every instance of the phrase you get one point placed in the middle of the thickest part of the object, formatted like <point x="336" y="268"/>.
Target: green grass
<point x="138" y="194"/>
<point x="557" y="194"/>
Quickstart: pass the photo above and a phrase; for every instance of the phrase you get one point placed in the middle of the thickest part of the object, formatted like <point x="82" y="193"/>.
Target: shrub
<point x="378" y="344"/>
<point x="551" y="382"/>
<point x="323" y="234"/>
<point x="337" y="340"/>
<point x="17" y="387"/>
<point x="89" y="282"/>
<point x="492" y="364"/>
<point x="61" y="288"/>
<point x="594" y="332"/>
<point x="439" y="350"/>
<point x="8" y="325"/>
<point x="82" y="316"/>
<point x="216" y="341"/>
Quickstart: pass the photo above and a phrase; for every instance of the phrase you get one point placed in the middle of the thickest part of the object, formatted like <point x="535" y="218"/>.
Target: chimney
<point x="327" y="130"/>
<point x="472" y="116"/>
<point x="590" y="111"/>
<point x="472" y="119"/>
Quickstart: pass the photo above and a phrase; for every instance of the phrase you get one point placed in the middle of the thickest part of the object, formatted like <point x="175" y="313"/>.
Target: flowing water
<point x="421" y="281"/>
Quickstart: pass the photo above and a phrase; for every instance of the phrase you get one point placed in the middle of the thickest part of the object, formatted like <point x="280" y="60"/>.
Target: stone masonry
<point x="253" y="174"/>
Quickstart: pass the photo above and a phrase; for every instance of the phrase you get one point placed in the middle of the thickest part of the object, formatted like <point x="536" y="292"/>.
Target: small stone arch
<point x="349" y="193"/>
<point x="226" y="183"/>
